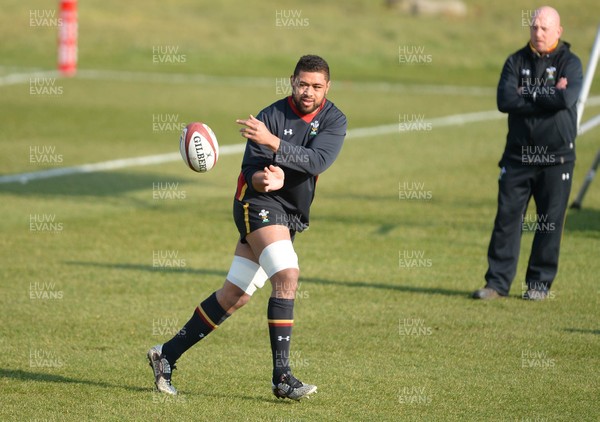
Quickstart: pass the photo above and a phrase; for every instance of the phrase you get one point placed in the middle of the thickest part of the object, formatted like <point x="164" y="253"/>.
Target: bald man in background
<point x="538" y="88"/>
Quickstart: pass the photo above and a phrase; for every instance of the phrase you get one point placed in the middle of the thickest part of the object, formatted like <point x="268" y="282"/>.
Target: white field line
<point x="194" y="78"/>
<point x="25" y="75"/>
<point x="108" y="165"/>
<point x="453" y="120"/>
<point x="21" y="78"/>
<point x="589" y="125"/>
<point x="593" y="101"/>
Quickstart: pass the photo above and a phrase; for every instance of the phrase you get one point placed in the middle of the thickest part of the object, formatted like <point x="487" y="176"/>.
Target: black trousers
<point x="550" y="187"/>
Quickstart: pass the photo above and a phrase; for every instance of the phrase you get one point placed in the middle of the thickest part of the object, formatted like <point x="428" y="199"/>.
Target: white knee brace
<point x="246" y="274"/>
<point x="278" y="256"/>
<point x="249" y="276"/>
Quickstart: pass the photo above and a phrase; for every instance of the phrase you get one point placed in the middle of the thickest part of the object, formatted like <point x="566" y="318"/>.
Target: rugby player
<point x="289" y="144"/>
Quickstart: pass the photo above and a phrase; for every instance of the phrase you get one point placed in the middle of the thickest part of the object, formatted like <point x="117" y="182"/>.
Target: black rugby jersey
<point x="309" y="145"/>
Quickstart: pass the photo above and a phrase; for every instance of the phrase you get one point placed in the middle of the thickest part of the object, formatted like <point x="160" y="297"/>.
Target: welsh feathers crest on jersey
<point x="314" y="127"/>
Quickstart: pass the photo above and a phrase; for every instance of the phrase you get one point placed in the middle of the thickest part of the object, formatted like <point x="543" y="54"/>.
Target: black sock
<point x="207" y="317"/>
<point x="280" y="314"/>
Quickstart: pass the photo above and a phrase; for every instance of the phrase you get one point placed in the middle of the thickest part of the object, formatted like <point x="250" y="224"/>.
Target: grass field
<point x="98" y="267"/>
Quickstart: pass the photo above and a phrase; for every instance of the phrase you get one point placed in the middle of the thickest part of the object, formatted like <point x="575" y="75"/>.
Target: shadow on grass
<point x="322" y="281"/>
<point x="150" y="268"/>
<point x="99" y="184"/>
<point x="385" y="286"/>
<point x="258" y="398"/>
<point x="581" y="331"/>
<point x="19" y="374"/>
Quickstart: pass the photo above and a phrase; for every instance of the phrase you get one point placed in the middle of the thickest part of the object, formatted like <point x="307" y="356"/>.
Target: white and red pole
<point x="67" y="38"/>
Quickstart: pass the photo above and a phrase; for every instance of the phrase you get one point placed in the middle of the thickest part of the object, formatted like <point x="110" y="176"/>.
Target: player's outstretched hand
<point x="269" y="179"/>
<point x="257" y="132"/>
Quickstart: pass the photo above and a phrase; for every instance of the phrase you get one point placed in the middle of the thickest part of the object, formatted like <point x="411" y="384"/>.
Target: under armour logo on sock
<point x="281" y="338"/>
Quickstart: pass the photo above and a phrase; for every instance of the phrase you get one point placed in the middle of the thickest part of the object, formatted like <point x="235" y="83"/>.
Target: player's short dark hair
<point x="312" y="63"/>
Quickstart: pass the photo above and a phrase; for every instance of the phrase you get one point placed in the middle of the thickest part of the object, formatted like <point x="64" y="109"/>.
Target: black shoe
<point x="486" y="293"/>
<point x="533" y="294"/>
<point x="291" y="388"/>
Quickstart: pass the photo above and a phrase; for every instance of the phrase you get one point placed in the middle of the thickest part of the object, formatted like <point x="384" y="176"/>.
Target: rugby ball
<point x="199" y="147"/>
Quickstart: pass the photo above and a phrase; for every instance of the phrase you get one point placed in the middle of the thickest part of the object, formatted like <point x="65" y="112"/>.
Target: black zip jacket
<point x="542" y="119"/>
<point x="309" y="145"/>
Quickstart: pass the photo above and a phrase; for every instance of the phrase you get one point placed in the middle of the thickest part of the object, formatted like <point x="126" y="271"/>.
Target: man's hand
<point x="562" y="83"/>
<point x="257" y="132"/>
<point x="269" y="179"/>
